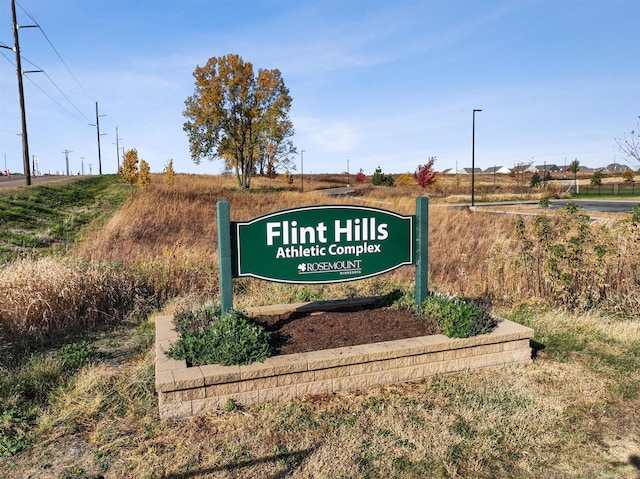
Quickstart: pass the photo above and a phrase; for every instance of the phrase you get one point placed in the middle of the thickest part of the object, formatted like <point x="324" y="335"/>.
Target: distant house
<point x="615" y="168"/>
<point x="500" y="170"/>
<point x="549" y="168"/>
<point x="449" y="171"/>
<point x="468" y="171"/>
<point x="525" y="169"/>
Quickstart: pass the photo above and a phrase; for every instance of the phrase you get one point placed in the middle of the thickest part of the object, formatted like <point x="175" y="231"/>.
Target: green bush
<point x="381" y="179"/>
<point x="458" y="318"/>
<point x="209" y="337"/>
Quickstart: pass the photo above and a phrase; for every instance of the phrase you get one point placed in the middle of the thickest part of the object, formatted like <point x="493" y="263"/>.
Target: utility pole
<point x="118" y="148"/>
<point x="82" y="164"/>
<point x="66" y="157"/>
<point x="97" y="125"/>
<point x="25" y="141"/>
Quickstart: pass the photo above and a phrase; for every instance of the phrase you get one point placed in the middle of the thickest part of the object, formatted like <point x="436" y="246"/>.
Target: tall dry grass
<point x="47" y="298"/>
<point x="162" y="246"/>
<point x="170" y="235"/>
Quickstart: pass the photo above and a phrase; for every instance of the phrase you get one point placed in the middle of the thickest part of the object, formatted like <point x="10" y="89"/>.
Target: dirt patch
<point x="302" y="332"/>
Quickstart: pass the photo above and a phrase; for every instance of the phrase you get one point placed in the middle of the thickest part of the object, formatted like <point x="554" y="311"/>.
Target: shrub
<point x="381" y="179"/>
<point x="635" y="215"/>
<point x="628" y="175"/>
<point x="406" y="180"/>
<point x="458" y="318"/>
<point x="209" y="337"/>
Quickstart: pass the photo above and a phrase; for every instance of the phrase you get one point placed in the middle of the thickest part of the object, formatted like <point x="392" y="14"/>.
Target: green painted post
<point x="422" y="249"/>
<point x="224" y="255"/>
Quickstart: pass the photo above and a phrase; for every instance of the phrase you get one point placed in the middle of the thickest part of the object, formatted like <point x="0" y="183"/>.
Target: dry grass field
<point x="77" y="389"/>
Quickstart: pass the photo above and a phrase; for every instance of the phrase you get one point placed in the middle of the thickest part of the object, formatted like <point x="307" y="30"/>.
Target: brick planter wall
<point x="185" y="391"/>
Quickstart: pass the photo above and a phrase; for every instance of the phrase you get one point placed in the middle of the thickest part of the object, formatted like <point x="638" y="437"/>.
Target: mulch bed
<point x="302" y="332"/>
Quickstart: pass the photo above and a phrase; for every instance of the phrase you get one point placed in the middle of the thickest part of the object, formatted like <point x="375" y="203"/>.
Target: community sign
<point x="322" y="244"/>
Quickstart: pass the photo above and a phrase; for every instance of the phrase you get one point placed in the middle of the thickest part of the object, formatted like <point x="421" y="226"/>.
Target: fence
<point x="612" y="189"/>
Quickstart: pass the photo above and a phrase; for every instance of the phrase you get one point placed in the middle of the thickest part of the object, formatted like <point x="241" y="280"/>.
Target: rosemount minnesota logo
<point x="340" y="267"/>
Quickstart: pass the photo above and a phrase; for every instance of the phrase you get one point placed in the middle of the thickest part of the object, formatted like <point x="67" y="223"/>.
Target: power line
<point x="40" y="70"/>
<point x="55" y="50"/>
<point x="57" y="88"/>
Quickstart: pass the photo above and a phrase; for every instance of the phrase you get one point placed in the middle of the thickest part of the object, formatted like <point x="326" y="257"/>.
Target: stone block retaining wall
<point x="186" y="391"/>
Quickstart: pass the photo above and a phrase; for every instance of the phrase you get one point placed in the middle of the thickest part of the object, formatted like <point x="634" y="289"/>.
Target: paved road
<point x="337" y="191"/>
<point x="17" y="181"/>
<point x="601" y="206"/>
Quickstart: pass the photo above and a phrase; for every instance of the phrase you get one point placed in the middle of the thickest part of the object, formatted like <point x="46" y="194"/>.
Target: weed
<point x="13" y="438"/>
<point x="75" y="355"/>
<point x="304" y="294"/>
<point x="231" y="405"/>
<point x="425" y="467"/>
<point x="463" y="429"/>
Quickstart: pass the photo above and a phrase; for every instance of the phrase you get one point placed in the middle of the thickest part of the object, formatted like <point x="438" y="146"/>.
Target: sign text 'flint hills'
<point x="311" y="241"/>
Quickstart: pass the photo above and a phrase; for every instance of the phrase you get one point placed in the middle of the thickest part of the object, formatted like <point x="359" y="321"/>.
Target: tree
<point x="169" y="174"/>
<point x="574" y="167"/>
<point x="535" y="180"/>
<point x="425" y="175"/>
<point x="361" y="177"/>
<point x="379" y="178"/>
<point x="630" y="145"/>
<point x="237" y="116"/>
<point x="129" y="167"/>
<point x="288" y="179"/>
<point x="144" y="175"/>
<point x="596" y="179"/>
<point x="276" y="150"/>
<point x="628" y="175"/>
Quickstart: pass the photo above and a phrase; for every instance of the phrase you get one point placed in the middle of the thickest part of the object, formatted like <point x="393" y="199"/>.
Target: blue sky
<point x="378" y="83"/>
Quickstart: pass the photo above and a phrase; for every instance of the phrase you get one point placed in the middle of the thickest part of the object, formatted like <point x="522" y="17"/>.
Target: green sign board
<point x="322" y="244"/>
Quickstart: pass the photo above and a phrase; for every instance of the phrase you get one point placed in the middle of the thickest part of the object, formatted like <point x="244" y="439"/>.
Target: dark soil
<point x="301" y="332"/>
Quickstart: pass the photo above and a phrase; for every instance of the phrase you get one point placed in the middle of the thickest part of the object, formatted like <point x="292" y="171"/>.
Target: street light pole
<point x="302" y="170"/>
<point x="473" y="159"/>
<point x="348" y="160"/>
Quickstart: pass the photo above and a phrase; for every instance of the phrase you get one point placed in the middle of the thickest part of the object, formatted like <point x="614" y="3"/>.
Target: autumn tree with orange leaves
<point x="237" y="116"/>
